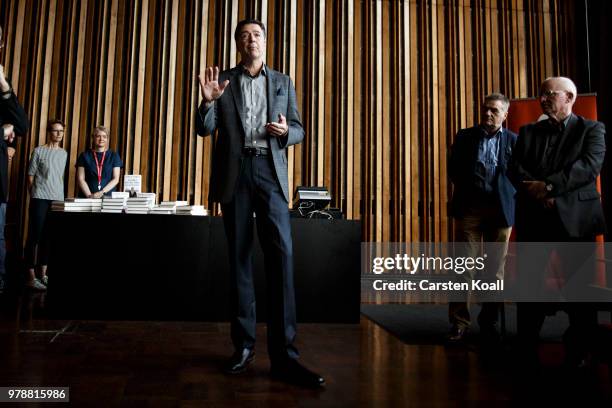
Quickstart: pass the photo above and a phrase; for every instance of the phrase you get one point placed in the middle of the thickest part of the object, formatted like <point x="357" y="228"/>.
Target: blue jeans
<point x="2" y="243"/>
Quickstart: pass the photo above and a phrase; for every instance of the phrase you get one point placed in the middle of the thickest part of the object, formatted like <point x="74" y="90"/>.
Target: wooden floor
<point x="177" y="364"/>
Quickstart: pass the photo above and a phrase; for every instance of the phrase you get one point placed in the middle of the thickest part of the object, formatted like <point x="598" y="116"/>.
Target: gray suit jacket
<point x="227" y="115"/>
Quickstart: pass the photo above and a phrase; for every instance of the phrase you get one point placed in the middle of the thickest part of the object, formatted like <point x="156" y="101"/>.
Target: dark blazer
<point x="11" y="112"/>
<point x="462" y="162"/>
<point x="573" y="175"/>
<point x="226" y="115"/>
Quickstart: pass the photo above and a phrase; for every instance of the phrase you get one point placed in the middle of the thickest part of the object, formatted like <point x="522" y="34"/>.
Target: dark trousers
<point x="37" y="244"/>
<point x="546" y="227"/>
<point x="258" y="191"/>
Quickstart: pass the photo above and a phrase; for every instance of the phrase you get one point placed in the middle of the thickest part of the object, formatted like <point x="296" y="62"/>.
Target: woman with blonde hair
<point x="98" y="169"/>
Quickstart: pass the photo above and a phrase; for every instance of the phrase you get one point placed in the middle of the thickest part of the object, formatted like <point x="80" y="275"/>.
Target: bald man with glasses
<point x="554" y="168"/>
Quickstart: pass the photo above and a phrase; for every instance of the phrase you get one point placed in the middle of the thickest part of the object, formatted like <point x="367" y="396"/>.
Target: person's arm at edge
<point x="14" y="114"/>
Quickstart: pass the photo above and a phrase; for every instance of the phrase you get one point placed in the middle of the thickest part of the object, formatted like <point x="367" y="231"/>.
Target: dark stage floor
<point x="177" y="364"/>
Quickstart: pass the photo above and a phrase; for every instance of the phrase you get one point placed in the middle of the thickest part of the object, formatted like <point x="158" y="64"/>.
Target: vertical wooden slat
<point x="350" y="111"/>
<point x="320" y="89"/>
<point x="496" y="51"/>
<point x="290" y="28"/>
<point x="140" y="85"/>
<point x="329" y="120"/>
<point x="406" y="118"/>
<point x="414" y="128"/>
<point x="357" y="104"/>
<point x="200" y="45"/>
<point x="102" y="51"/>
<point x="378" y="137"/>
<point x="169" y="130"/>
<point x="110" y="68"/>
<point x="77" y="118"/>
<point x="46" y="77"/>
<point x="383" y="129"/>
<point x="18" y="44"/>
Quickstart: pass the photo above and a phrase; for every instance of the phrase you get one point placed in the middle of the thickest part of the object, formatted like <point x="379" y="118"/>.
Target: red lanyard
<point x="99" y="166"/>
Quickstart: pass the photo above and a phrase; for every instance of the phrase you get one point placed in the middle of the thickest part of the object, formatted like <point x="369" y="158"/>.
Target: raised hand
<point x="210" y="87"/>
<point x="279" y="128"/>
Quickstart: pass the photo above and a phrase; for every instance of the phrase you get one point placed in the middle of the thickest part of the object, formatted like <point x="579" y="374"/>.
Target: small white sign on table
<point x="132" y="182"/>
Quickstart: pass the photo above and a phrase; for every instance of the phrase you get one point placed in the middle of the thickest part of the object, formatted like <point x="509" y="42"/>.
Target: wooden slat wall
<point x="383" y="86"/>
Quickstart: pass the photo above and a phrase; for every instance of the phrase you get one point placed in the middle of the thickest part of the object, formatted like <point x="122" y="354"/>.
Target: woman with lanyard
<point x="98" y="169"/>
<point x="46" y="184"/>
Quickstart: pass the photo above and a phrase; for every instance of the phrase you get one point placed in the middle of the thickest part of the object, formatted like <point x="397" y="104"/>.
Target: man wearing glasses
<point x="555" y="167"/>
<point x="13" y="121"/>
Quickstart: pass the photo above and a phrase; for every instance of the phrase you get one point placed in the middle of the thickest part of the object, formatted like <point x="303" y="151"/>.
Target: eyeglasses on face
<point x="550" y="94"/>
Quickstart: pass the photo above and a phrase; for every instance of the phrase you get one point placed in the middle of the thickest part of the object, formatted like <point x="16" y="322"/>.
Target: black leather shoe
<point x="457" y="334"/>
<point x="294" y="373"/>
<point x="239" y="361"/>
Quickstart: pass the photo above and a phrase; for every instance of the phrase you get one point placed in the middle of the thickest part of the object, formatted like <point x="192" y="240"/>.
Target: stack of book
<point x="151" y="196"/>
<point x="191" y="210"/>
<point x="139" y="205"/>
<point x="113" y="205"/>
<point x="78" y="205"/>
<point x="168" y="207"/>
<point x="120" y="194"/>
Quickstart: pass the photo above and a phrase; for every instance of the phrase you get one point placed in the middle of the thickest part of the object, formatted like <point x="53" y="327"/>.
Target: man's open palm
<point x="209" y="84"/>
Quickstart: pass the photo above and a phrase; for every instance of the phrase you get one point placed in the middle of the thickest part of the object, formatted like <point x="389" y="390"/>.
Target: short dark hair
<point x="242" y="23"/>
<point x="52" y="122"/>
<point x="498" y="97"/>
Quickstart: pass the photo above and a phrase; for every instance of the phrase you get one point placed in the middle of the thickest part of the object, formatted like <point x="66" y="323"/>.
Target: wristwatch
<point x="549" y="187"/>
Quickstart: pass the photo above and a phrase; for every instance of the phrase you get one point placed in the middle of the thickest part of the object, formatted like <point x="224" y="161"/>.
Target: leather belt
<point x="254" y="151"/>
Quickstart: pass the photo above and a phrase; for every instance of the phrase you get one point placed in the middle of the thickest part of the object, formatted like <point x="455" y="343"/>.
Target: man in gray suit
<point x="255" y="112"/>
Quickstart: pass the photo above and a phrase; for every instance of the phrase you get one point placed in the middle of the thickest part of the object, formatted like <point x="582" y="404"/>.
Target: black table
<point x="175" y="267"/>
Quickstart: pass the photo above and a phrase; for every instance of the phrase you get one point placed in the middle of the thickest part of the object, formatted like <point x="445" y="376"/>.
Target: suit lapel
<point x="503" y="147"/>
<point x="271" y="84"/>
<point x="475" y="142"/>
<point x="564" y="143"/>
<point x="237" y="95"/>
